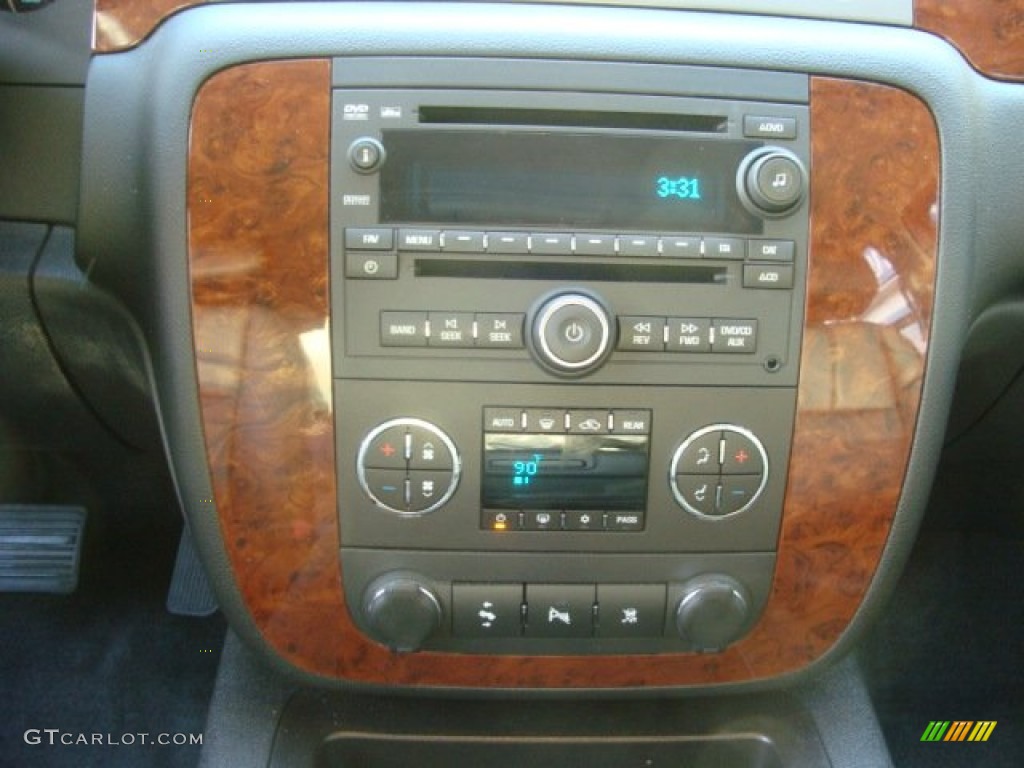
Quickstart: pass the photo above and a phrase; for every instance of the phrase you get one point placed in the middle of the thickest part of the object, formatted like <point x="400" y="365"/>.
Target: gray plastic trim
<point x="132" y="216"/>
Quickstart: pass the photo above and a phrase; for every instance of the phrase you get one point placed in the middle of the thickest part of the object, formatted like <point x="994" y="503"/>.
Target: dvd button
<point x="734" y="336"/>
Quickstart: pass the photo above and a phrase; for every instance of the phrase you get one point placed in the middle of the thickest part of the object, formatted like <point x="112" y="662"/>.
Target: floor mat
<point x="950" y="647"/>
<point x="103" y="676"/>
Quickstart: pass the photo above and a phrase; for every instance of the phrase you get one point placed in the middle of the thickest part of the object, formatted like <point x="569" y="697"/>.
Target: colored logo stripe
<point x="958" y="730"/>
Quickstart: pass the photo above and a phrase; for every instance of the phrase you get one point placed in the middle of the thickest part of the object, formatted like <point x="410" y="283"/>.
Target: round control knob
<point x="572" y="334"/>
<point x="401" y="611"/>
<point x="366" y="155"/>
<point x="771" y="181"/>
<point x="713" y="612"/>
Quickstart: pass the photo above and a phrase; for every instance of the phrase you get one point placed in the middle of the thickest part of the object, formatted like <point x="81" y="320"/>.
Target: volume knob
<point x="572" y="333"/>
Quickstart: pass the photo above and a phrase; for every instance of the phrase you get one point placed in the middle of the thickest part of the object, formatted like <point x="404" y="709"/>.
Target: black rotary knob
<point x="713" y="612"/>
<point x="401" y="611"/>
<point x="771" y="181"/>
<point x="572" y="333"/>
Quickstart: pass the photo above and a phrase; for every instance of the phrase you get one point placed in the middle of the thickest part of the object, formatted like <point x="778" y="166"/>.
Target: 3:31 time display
<point x="679" y="187"/>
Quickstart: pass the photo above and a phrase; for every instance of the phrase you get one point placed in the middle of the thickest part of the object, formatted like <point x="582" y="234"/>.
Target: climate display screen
<point x="598" y="472"/>
<point x="571" y="181"/>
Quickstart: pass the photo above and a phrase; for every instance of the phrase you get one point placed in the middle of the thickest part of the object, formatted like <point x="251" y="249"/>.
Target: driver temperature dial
<point x="408" y="466"/>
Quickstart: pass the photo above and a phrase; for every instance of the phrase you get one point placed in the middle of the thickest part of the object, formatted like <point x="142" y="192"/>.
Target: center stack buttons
<point x="718" y="471"/>
<point x="408" y="466"/>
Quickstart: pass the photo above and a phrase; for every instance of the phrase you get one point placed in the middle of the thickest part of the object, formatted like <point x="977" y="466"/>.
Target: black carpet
<point x="108" y="663"/>
<point x="951" y="647"/>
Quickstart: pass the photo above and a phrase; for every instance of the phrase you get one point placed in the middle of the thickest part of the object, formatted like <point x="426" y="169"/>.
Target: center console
<point x="565" y="332"/>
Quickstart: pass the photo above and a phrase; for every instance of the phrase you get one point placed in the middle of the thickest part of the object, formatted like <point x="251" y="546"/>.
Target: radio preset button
<point x="689" y="334"/>
<point x="508" y="242"/>
<point x="638" y="245"/>
<point x="595" y="245"/>
<point x="734" y="336"/>
<point x="462" y="242"/>
<point x="403" y="329"/>
<point x="683" y="247"/>
<point x="643" y="334"/>
<point x="551" y="244"/>
<point x="572" y="333"/>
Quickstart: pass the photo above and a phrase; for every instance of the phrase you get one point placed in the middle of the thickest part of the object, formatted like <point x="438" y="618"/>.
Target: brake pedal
<point x="40" y="548"/>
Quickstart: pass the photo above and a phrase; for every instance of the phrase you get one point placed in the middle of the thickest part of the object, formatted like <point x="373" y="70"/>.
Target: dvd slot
<point x="568" y="118"/>
<point x="576" y="271"/>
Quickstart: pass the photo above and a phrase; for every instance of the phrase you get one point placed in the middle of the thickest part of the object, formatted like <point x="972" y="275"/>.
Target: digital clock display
<point x="564" y="180"/>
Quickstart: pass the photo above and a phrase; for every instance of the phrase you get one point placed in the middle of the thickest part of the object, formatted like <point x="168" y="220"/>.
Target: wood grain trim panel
<point x="258" y="208"/>
<point x="122" y="24"/>
<point x="990" y="33"/>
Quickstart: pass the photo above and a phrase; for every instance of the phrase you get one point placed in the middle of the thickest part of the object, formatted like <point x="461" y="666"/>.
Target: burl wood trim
<point x="258" y="222"/>
<point x="989" y="33"/>
<point x="122" y="24"/>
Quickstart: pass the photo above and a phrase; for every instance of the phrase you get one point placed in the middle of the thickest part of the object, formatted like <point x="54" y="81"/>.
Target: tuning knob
<point x="713" y="612"/>
<point x="401" y="611"/>
<point x="771" y="181"/>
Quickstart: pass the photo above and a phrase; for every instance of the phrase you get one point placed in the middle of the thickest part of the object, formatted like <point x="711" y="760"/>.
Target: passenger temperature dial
<point x="408" y="466"/>
<point x="719" y="470"/>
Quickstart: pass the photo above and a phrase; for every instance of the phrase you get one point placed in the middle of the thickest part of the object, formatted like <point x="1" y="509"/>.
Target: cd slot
<point x="571" y="270"/>
<point x="566" y="118"/>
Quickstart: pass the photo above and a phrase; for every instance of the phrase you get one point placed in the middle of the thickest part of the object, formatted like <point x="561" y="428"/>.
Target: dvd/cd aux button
<point x="499" y="330"/>
<point x="419" y="240"/>
<point x="403" y="329"/>
<point x="451" y="329"/>
<point x="681" y="247"/>
<point x="595" y="245"/>
<point x="453" y="241"/>
<point x="508" y="242"/>
<point x="551" y="244"/>
<point x="734" y="336"/>
<point x="732" y="248"/>
<point x="689" y="334"/>
<point x="638" y="245"/>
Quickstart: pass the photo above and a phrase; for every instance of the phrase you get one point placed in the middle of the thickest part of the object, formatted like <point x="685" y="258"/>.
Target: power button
<point x="571" y="333"/>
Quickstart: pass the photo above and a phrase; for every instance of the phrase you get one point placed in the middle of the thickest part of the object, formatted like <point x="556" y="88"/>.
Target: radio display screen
<point x="564" y="181"/>
<point x="589" y="472"/>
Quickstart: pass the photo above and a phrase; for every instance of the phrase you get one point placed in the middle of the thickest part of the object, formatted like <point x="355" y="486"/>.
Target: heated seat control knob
<point x="713" y="612"/>
<point x="401" y="610"/>
<point x="771" y="181"/>
<point x="571" y="333"/>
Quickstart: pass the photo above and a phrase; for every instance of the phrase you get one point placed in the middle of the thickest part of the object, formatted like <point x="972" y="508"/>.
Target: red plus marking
<point x="387" y="449"/>
<point x="742" y="456"/>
